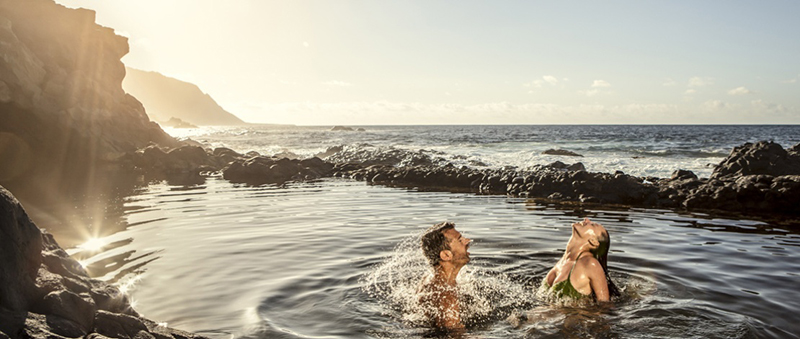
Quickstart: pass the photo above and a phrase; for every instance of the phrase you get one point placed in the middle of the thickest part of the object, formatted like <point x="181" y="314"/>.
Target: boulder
<point x="763" y="157"/>
<point x="341" y="128"/>
<point x="20" y="254"/>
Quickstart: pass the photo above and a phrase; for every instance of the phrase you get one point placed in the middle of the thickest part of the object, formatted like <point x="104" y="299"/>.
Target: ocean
<point x="647" y="150"/>
<point x="338" y="258"/>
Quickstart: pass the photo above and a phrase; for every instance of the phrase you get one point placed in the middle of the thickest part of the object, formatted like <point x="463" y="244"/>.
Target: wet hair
<point x="601" y="254"/>
<point x="434" y="242"/>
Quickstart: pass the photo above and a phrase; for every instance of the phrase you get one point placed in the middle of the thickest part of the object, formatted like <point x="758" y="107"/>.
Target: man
<point x="446" y="251"/>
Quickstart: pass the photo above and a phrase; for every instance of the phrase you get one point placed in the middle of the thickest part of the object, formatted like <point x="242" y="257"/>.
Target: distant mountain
<point x="164" y="98"/>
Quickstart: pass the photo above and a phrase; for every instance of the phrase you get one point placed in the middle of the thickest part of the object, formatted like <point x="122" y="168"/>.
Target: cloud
<point x="690" y="91"/>
<point x="715" y="105"/>
<point x="600" y="84"/>
<point x="337" y="83"/>
<point x="589" y="93"/>
<point x="305" y="44"/>
<point x="700" y="81"/>
<point x="791" y="81"/>
<point x="669" y="82"/>
<point x="739" y="91"/>
<point x="549" y="79"/>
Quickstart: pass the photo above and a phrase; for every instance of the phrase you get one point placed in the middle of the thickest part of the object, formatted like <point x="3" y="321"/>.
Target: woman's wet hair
<point x="601" y="254"/>
<point x="434" y="242"/>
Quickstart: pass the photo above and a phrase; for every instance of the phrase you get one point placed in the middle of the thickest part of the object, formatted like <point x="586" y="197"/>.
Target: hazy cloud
<point x="305" y="44"/>
<point x="337" y="83"/>
<point x="669" y="82"/>
<point x="739" y="91"/>
<point x="538" y="83"/>
<point x="590" y="93"/>
<point x="700" y="81"/>
<point x="791" y="81"/>
<point x="715" y="105"/>
<point x="600" y="84"/>
<point x="690" y="91"/>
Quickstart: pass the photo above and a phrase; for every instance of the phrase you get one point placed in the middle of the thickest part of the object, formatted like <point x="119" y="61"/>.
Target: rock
<point x="683" y="174"/>
<point x="576" y="167"/>
<point x="263" y="170"/>
<point x="49" y="326"/>
<point x="557" y="165"/>
<point x="341" y="128"/>
<point x="20" y="254"/>
<point x="328" y="152"/>
<point x="45" y="294"/>
<point x="561" y="152"/>
<point x="763" y="157"/>
<point x="71" y="306"/>
<point x="360" y="129"/>
<point x="61" y="99"/>
<point x="118" y="325"/>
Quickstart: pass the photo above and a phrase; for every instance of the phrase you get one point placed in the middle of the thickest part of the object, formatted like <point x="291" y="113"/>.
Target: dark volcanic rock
<point x="763" y="157"/>
<point x="729" y="190"/>
<point x="561" y="152"/>
<point x="263" y="170"/>
<point x="45" y="294"/>
<point x="341" y="128"/>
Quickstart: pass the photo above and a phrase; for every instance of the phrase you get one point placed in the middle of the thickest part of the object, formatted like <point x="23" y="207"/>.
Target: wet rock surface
<point x="46" y="294"/>
<point x="760" y="178"/>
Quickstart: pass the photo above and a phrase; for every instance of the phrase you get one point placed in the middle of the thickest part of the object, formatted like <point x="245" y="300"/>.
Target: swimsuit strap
<point x="573" y="268"/>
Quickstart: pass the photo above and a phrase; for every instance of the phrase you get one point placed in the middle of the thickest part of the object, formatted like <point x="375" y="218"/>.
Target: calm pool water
<point x="336" y="259"/>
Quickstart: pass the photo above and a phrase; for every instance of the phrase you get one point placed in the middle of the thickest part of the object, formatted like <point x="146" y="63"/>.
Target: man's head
<point x="443" y="243"/>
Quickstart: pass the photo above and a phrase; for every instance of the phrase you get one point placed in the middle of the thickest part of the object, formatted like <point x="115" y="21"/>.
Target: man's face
<point x="458" y="246"/>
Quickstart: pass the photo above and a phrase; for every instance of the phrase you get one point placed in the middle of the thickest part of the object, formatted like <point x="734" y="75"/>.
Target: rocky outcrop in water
<point x="64" y="113"/>
<point x="190" y="164"/>
<point x="760" y="178"/>
<point x="561" y="152"/>
<point x="262" y="170"/>
<point x="46" y="294"/>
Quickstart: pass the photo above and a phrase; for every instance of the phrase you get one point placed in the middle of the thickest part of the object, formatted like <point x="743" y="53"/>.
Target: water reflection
<point x="294" y="260"/>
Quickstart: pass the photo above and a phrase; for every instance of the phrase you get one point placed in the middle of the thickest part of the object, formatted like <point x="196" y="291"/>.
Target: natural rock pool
<point x="337" y="258"/>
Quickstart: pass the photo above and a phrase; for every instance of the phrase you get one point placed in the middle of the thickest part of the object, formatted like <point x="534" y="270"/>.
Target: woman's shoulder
<point x="588" y="262"/>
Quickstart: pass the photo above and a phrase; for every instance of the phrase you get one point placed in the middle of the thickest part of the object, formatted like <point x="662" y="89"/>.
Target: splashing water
<point x="484" y="295"/>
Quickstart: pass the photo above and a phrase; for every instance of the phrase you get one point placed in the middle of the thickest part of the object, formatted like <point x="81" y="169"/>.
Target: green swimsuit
<point x="565" y="288"/>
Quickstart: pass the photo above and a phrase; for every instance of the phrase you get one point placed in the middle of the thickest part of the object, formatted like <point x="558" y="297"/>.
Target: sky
<point x="362" y="62"/>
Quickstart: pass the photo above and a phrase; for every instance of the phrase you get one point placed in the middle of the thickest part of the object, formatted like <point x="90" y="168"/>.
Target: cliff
<point x="165" y="98"/>
<point x="63" y="110"/>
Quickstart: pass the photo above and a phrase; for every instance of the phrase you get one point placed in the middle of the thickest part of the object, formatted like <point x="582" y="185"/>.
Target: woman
<point x="583" y="271"/>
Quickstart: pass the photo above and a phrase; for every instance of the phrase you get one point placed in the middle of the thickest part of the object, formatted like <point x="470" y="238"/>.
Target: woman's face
<point x="587" y="230"/>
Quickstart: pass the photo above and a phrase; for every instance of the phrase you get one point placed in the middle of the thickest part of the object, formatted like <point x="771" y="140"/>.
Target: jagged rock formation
<point x="760" y="178"/>
<point x="64" y="113"/>
<point x="165" y="97"/>
<point x="46" y="294"/>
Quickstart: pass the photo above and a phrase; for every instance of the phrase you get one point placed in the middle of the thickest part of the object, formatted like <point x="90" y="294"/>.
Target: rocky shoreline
<point x="755" y="179"/>
<point x="46" y="294"/>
